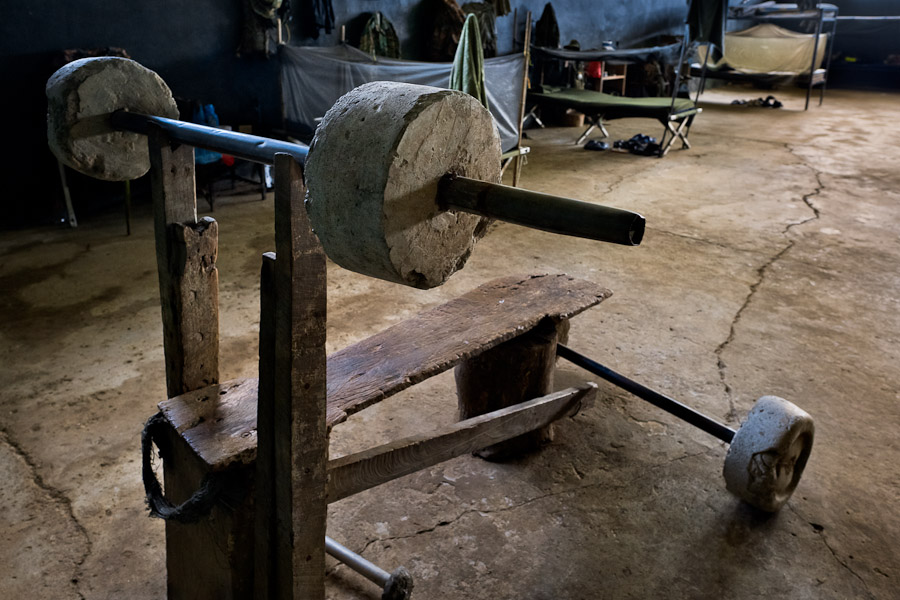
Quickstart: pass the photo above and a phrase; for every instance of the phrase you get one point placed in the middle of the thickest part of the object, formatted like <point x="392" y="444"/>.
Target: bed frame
<point x="826" y="17"/>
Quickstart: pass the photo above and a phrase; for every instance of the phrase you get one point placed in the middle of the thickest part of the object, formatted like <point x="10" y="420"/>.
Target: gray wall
<point x="192" y="45"/>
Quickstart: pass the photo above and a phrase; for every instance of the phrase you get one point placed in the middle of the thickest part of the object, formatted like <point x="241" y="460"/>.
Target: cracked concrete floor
<point x="769" y="266"/>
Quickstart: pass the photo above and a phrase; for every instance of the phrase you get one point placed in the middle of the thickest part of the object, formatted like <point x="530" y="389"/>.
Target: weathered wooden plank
<point x="186" y="252"/>
<point x="520" y="158"/>
<point x="264" y="490"/>
<point x="506" y="375"/>
<point x="439" y="339"/>
<point x="354" y="473"/>
<point x="218" y="422"/>
<point x="300" y="433"/>
<point x="392" y="360"/>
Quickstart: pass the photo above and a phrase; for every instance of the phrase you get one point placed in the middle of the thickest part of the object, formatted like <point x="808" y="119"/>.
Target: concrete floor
<point x="770" y="266"/>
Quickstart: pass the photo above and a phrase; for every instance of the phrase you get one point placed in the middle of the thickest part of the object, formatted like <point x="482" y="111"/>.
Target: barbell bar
<point x="241" y="145"/>
<point x="395" y="586"/>
<point x="546" y="212"/>
<point x="402" y="179"/>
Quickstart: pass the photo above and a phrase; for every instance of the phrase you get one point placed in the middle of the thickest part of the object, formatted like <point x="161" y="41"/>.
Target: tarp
<point x="312" y="79"/>
<point x="768" y="48"/>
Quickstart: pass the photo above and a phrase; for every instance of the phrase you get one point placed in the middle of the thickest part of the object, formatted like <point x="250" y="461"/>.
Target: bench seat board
<point x="219" y="421"/>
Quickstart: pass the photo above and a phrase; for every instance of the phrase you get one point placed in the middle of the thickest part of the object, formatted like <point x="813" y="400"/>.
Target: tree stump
<point x="512" y="372"/>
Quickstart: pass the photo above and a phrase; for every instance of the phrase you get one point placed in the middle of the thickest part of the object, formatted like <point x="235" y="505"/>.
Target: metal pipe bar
<point x="370" y="571"/>
<point x="541" y="211"/>
<point x="673" y="407"/>
<point x="241" y="145"/>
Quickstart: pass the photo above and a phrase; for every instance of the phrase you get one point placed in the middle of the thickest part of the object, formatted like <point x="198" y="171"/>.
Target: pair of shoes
<point x="767" y="102"/>
<point x="596" y="145"/>
<point x="639" y="144"/>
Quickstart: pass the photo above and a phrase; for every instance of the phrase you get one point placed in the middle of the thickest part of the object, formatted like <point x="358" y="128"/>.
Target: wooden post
<point x="265" y="423"/>
<point x="517" y="168"/>
<point x="298" y="431"/>
<point x="513" y="372"/>
<point x="186" y="252"/>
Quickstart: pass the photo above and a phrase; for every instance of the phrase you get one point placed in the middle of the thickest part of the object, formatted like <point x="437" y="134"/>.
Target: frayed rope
<point x="213" y="489"/>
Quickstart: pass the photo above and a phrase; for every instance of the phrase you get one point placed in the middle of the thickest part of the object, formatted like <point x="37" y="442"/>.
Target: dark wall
<point x="192" y="45"/>
<point x="588" y="21"/>
<point x="867" y="42"/>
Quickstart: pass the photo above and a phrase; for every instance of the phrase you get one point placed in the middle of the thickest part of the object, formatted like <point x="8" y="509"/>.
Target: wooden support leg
<point x="207" y="560"/>
<point x="513" y="372"/>
<point x="198" y="564"/>
<point x="299" y="439"/>
<point x="265" y="447"/>
<point x="186" y="252"/>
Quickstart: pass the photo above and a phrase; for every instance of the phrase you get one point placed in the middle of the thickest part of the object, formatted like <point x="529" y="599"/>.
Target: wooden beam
<point x="390" y="361"/>
<point x="264" y="500"/>
<point x="300" y="436"/>
<point x="354" y="473"/>
<point x="517" y="170"/>
<point x="186" y="252"/>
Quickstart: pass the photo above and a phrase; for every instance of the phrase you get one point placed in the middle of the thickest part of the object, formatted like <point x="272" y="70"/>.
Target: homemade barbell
<point x="401" y="178"/>
<point x="402" y="181"/>
<point x="766" y="455"/>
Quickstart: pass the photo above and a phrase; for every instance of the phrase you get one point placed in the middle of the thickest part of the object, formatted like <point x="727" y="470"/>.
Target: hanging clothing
<point x="267" y="9"/>
<point x="467" y="72"/>
<point x="379" y="37"/>
<point x="314" y="15"/>
<point x="448" y="22"/>
<point x="502" y="7"/>
<point x="546" y="30"/>
<point x="706" y="19"/>
<point x="257" y="29"/>
<point x="205" y="114"/>
<point x="486" y="21"/>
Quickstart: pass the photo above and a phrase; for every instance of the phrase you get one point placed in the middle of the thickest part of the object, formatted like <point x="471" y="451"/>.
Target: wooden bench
<point x="512" y="320"/>
<point x="219" y="422"/>
<point x="267" y="438"/>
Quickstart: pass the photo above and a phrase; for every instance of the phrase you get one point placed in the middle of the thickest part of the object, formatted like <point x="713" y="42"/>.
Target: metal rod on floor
<point x="370" y="571"/>
<point x="395" y="586"/>
<point x="673" y="407"/>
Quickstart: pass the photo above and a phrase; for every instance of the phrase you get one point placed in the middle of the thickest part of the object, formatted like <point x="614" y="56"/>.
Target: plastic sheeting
<point x="768" y="48"/>
<point x="312" y="79"/>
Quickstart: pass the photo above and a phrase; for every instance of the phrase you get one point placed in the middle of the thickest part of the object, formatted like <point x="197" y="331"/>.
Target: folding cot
<point x="676" y="116"/>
